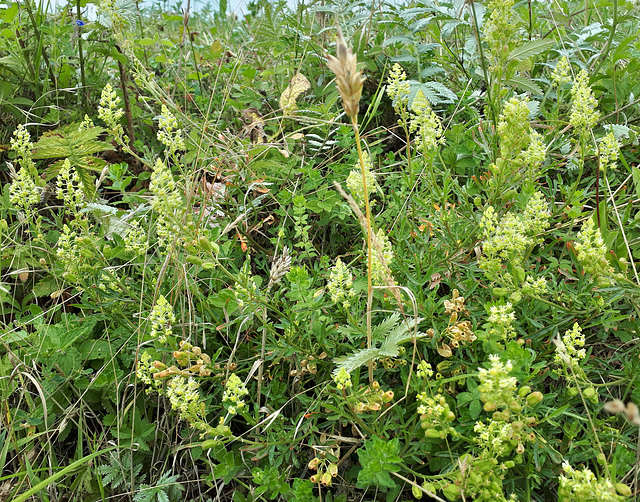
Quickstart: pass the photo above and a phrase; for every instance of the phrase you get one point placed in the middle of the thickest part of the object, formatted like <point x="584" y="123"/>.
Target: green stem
<point x="354" y="122"/>
<point x="83" y="81"/>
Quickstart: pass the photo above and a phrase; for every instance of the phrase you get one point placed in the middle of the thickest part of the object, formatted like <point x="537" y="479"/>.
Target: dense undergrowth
<point x="226" y="278"/>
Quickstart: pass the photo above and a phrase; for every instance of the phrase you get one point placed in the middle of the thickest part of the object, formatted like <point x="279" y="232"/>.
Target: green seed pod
<point x="524" y="390"/>
<point x="534" y="398"/>
<point x="196" y="260"/>
<point x="416" y="491"/>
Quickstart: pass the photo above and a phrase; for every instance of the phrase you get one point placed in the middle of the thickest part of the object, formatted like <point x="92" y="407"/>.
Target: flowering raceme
<point x="584" y="115"/>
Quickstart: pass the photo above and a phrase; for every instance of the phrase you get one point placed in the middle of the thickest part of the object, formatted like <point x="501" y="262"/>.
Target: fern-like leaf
<point x="391" y="333"/>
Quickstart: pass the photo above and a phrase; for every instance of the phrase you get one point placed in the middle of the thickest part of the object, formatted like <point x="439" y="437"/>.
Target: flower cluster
<point x="110" y="112"/>
<point x="584" y="115"/>
<point x="135" y="240"/>
<point x="424" y="370"/>
<point x="456" y="304"/>
<point x="162" y="319"/>
<point x="569" y="350"/>
<point x="496" y="387"/>
<point x="534" y="287"/>
<point x="86" y="123"/>
<point x="398" y="89"/>
<point x="145" y="371"/>
<point x="166" y="203"/>
<point x="560" y="74"/>
<point x="508" y="238"/>
<point x="23" y="192"/>
<point x="435" y="415"/>
<point x="68" y="186"/>
<point x="343" y="379"/>
<point x="354" y="181"/>
<point x="609" y="152"/>
<point x="381" y="259"/>
<point x="499" y="30"/>
<point x="340" y="284"/>
<point x="582" y="485"/>
<point x="426" y="123"/>
<point x="497" y="438"/>
<point x="501" y="318"/>
<point x="591" y="252"/>
<point x="184" y="397"/>
<point x="169" y="134"/>
<point x="233" y="396"/>
<point x="246" y="290"/>
<point x="69" y="252"/>
<point x="521" y="148"/>
<point x="372" y="398"/>
<point x="327" y="468"/>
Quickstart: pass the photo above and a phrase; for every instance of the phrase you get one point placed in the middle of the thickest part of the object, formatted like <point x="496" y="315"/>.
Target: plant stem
<point x="354" y="122"/>
<point x="83" y="80"/>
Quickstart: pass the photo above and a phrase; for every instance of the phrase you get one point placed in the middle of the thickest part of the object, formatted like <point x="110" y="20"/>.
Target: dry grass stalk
<point x="348" y="79"/>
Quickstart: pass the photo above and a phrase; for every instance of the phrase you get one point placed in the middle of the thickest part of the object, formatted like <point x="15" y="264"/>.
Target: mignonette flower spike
<point x="348" y="79"/>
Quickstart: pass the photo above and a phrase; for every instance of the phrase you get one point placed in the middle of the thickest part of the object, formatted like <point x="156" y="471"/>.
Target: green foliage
<point x="378" y="458"/>
<point x="183" y="305"/>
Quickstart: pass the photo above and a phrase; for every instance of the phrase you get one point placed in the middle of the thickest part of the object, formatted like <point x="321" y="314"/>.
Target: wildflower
<point x="502" y="318"/>
<point x="435" y="415"/>
<point x="161" y="319"/>
<point x="591" y="251"/>
<point x="584" y="115"/>
<point x="348" y="79"/>
<point x="234" y="392"/>
<point x="86" y="123"/>
<point x="496" y="387"/>
<point x="382" y="258"/>
<point x="135" y="240"/>
<point x="498" y="29"/>
<point x="495" y="437"/>
<point x="340" y="284"/>
<point x="514" y="128"/>
<point x="583" y="486"/>
<point x="424" y="370"/>
<point x="609" y="151"/>
<point x="536" y="214"/>
<point x="184" y="397"/>
<point x="68" y="186"/>
<point x="79" y="22"/>
<point x="354" y="180"/>
<point x="23" y="192"/>
<point x="110" y="112"/>
<point x="398" y="88"/>
<point x="560" y="74"/>
<point x="426" y="123"/>
<point x="68" y="252"/>
<point x="145" y="371"/>
<point x="343" y="379"/>
<point x="166" y="202"/>
<point x="169" y="134"/>
<point x="570" y="349"/>
<point x="534" y="287"/>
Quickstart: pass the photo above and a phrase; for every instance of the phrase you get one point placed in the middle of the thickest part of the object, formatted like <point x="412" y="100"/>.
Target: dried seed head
<point x="279" y="268"/>
<point x="348" y="78"/>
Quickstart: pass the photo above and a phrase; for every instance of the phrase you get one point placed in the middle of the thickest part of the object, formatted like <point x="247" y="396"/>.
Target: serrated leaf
<point x="618" y="130"/>
<point x="530" y="49"/>
<point x="525" y="84"/>
<point x="390" y="334"/>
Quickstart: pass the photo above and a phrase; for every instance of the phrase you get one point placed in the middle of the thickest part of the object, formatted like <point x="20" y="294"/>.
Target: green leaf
<point x="378" y="458"/>
<point x="636" y="179"/>
<point x="531" y="48"/>
<point x="525" y="84"/>
<point x="391" y="334"/>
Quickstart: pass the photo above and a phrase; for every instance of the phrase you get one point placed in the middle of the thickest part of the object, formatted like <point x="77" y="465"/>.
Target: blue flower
<point x="79" y="23"/>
